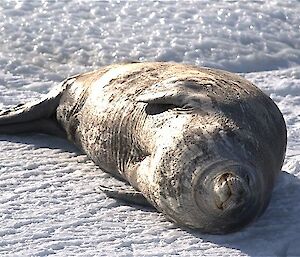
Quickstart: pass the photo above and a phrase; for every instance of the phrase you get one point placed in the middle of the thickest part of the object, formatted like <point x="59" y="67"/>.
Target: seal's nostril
<point x="247" y="179"/>
<point x="222" y="191"/>
<point x="228" y="190"/>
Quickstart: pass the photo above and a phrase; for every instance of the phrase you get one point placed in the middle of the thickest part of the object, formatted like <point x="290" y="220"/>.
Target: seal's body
<point x="203" y="146"/>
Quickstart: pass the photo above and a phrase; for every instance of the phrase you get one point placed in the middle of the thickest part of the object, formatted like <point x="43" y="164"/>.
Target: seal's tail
<point x="37" y="116"/>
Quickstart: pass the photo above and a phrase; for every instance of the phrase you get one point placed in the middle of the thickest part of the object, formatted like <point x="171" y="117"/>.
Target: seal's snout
<point x="230" y="190"/>
<point x="228" y="196"/>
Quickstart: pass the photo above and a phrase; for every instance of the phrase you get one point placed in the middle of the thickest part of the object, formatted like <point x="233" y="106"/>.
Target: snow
<point x="48" y="202"/>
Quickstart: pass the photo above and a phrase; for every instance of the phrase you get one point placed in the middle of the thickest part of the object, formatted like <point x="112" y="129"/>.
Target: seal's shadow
<point x="42" y="141"/>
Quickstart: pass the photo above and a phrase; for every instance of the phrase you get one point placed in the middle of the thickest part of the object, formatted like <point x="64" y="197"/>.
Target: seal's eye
<point x="152" y="109"/>
<point x="159" y="102"/>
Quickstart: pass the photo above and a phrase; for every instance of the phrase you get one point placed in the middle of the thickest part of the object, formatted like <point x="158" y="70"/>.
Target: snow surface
<point x="48" y="204"/>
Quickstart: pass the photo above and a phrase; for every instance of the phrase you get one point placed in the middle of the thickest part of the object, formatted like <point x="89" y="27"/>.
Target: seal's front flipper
<point x="126" y="194"/>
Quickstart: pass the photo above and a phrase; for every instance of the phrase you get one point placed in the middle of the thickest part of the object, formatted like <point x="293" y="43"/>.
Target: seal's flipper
<point x="45" y="126"/>
<point x="36" y="116"/>
<point x="127" y="194"/>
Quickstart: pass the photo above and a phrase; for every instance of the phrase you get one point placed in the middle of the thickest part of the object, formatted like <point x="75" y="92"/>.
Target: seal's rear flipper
<point x="45" y="126"/>
<point x="127" y="194"/>
<point x="37" y="116"/>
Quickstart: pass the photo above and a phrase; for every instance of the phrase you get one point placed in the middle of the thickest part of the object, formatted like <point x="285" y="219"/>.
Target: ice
<point x="48" y="204"/>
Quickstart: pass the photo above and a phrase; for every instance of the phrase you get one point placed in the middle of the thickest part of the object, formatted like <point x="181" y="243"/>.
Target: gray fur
<point x="203" y="146"/>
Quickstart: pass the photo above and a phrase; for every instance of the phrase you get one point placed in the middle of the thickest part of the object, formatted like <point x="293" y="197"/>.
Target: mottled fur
<point x="203" y="146"/>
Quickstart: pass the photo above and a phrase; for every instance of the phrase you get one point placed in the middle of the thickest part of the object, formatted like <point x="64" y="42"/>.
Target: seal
<point x="203" y="146"/>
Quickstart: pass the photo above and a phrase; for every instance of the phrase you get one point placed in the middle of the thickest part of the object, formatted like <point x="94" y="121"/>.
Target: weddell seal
<point x="201" y="145"/>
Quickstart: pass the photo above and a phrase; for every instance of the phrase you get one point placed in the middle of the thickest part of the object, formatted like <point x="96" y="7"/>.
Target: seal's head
<point x="211" y="166"/>
<point x="208" y="192"/>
